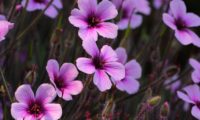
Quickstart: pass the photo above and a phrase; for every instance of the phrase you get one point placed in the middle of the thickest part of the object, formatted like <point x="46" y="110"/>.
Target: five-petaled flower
<point x="63" y="79"/>
<point x="103" y="62"/>
<point x="5" y="26"/>
<point x="133" y="72"/>
<point x="91" y="17"/>
<point x="192" y="96"/>
<point x="52" y="10"/>
<point x="196" y="73"/>
<point x="35" y="107"/>
<point x="180" y="21"/>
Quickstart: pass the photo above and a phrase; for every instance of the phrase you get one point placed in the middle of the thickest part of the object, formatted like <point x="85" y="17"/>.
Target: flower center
<point x="35" y="109"/>
<point x="198" y="104"/>
<point x="180" y="24"/>
<point x="98" y="63"/>
<point x="93" y="21"/>
<point x="40" y="1"/>
<point x="59" y="82"/>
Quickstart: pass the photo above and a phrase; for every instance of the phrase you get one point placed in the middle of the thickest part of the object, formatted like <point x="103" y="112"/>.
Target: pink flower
<point x="63" y="79"/>
<point x="196" y="72"/>
<point x="180" y="21"/>
<point x="90" y="19"/>
<point x="52" y="10"/>
<point x="133" y="72"/>
<point x="5" y="26"/>
<point x="103" y="63"/>
<point x="192" y="96"/>
<point x="30" y="107"/>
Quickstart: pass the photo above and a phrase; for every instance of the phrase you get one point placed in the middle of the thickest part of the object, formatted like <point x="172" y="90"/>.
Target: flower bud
<point x="154" y="101"/>
<point x="164" y="111"/>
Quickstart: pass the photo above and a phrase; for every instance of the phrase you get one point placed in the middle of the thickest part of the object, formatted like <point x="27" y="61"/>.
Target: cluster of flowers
<point x="108" y="66"/>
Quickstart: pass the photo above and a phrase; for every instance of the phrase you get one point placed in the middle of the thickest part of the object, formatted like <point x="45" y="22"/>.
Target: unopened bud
<point x="164" y="110"/>
<point x="18" y="7"/>
<point x="154" y="101"/>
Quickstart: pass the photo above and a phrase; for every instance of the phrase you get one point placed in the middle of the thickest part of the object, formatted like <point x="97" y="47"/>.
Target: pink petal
<point x="53" y="112"/>
<point x="91" y="48"/>
<point x="52" y="69"/>
<point x="136" y="21"/>
<point x="129" y="85"/>
<point x="123" y="24"/>
<point x="194" y="63"/>
<point x="88" y="34"/>
<point x="74" y="87"/>
<point x="106" y="10"/>
<point x="169" y="21"/>
<point x="115" y="70"/>
<point x="191" y="20"/>
<point x="45" y="93"/>
<point x="102" y="81"/>
<point x="58" y="4"/>
<point x="31" y="5"/>
<point x="2" y="17"/>
<point x="52" y="12"/>
<point x="193" y="92"/>
<point x="77" y="18"/>
<point x="117" y="3"/>
<point x="121" y="54"/>
<point x="158" y="3"/>
<point x="19" y="110"/>
<point x="88" y="6"/>
<point x="196" y="76"/>
<point x="85" y="65"/>
<point x="142" y="6"/>
<point x="68" y="72"/>
<point x="107" y="30"/>
<point x="108" y="54"/>
<point x="178" y="8"/>
<point x="5" y="26"/>
<point x="133" y="69"/>
<point x="184" y="37"/>
<point x="64" y="94"/>
<point x="195" y="38"/>
<point x="184" y="97"/>
<point x="195" y="112"/>
<point x="24" y="94"/>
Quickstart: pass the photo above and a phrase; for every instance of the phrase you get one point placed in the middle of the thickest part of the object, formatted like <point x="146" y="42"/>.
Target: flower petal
<point x="121" y="54"/>
<point x="196" y="76"/>
<point x="117" y="3"/>
<point x="169" y="21"/>
<point x="53" y="112"/>
<point x="195" y="112"/>
<point x="184" y="97"/>
<point x="74" y="87"/>
<point x="107" y="30"/>
<point x="68" y="72"/>
<point x="51" y="12"/>
<point x="5" y="26"/>
<point x="91" y="48"/>
<point x="194" y="63"/>
<point x="77" y="19"/>
<point x="106" y="10"/>
<point x="102" y="81"/>
<point x="108" y="54"/>
<point x="88" y="34"/>
<point x="52" y="69"/>
<point x="45" y="93"/>
<point x="30" y="6"/>
<point x="87" y="6"/>
<point x="178" y="8"/>
<point x="184" y="37"/>
<point x="24" y="94"/>
<point x="136" y="21"/>
<point x="191" y="20"/>
<point x="58" y="4"/>
<point x="193" y="92"/>
<point x="19" y="110"/>
<point x="123" y="24"/>
<point x="133" y="69"/>
<point x="64" y="94"/>
<point x="142" y="6"/>
<point x="85" y="65"/>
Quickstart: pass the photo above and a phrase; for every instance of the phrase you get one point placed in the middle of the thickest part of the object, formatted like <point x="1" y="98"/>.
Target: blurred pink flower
<point x="63" y="79"/>
<point x="174" y="86"/>
<point x="133" y="72"/>
<point x="158" y="3"/>
<point x="35" y="107"/>
<point x="102" y="63"/>
<point x="90" y="19"/>
<point x="192" y="96"/>
<point x="52" y="10"/>
<point x="196" y="72"/>
<point x="5" y="26"/>
<point x="180" y="21"/>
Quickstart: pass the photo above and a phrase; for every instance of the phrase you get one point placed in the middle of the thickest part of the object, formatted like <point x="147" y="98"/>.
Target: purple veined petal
<point x="195" y="112"/>
<point x="191" y="20"/>
<point x="117" y="3"/>
<point x="136" y="21"/>
<point x="193" y="92"/>
<point x="178" y="8"/>
<point x="195" y="64"/>
<point x="184" y="97"/>
<point x="74" y="87"/>
<point x="129" y="85"/>
<point x="142" y="6"/>
<point x="133" y="69"/>
<point x="184" y="37"/>
<point x="196" y="76"/>
<point x="108" y="54"/>
<point x="77" y="19"/>
<point x="106" y="10"/>
<point x="107" y="30"/>
<point x="87" y="6"/>
<point x="88" y="34"/>
<point x="115" y="70"/>
<point x="52" y="69"/>
<point x="45" y="93"/>
<point x="102" y="81"/>
<point x="85" y="65"/>
<point x="58" y="4"/>
<point x="91" y="48"/>
<point x="169" y="21"/>
<point x="121" y="54"/>
<point x="123" y="24"/>
<point x="19" y="110"/>
<point x="24" y="94"/>
<point x="53" y="111"/>
<point x="68" y="72"/>
<point x="51" y="12"/>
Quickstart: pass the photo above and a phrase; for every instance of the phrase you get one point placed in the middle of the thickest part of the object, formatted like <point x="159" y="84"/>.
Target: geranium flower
<point x="103" y="63"/>
<point x="91" y="19"/>
<point x="192" y="96"/>
<point x="35" y="107"/>
<point x="196" y="72"/>
<point x="63" y="79"/>
<point x="52" y="10"/>
<point x="133" y="72"/>
<point x="180" y="21"/>
<point x="5" y="26"/>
